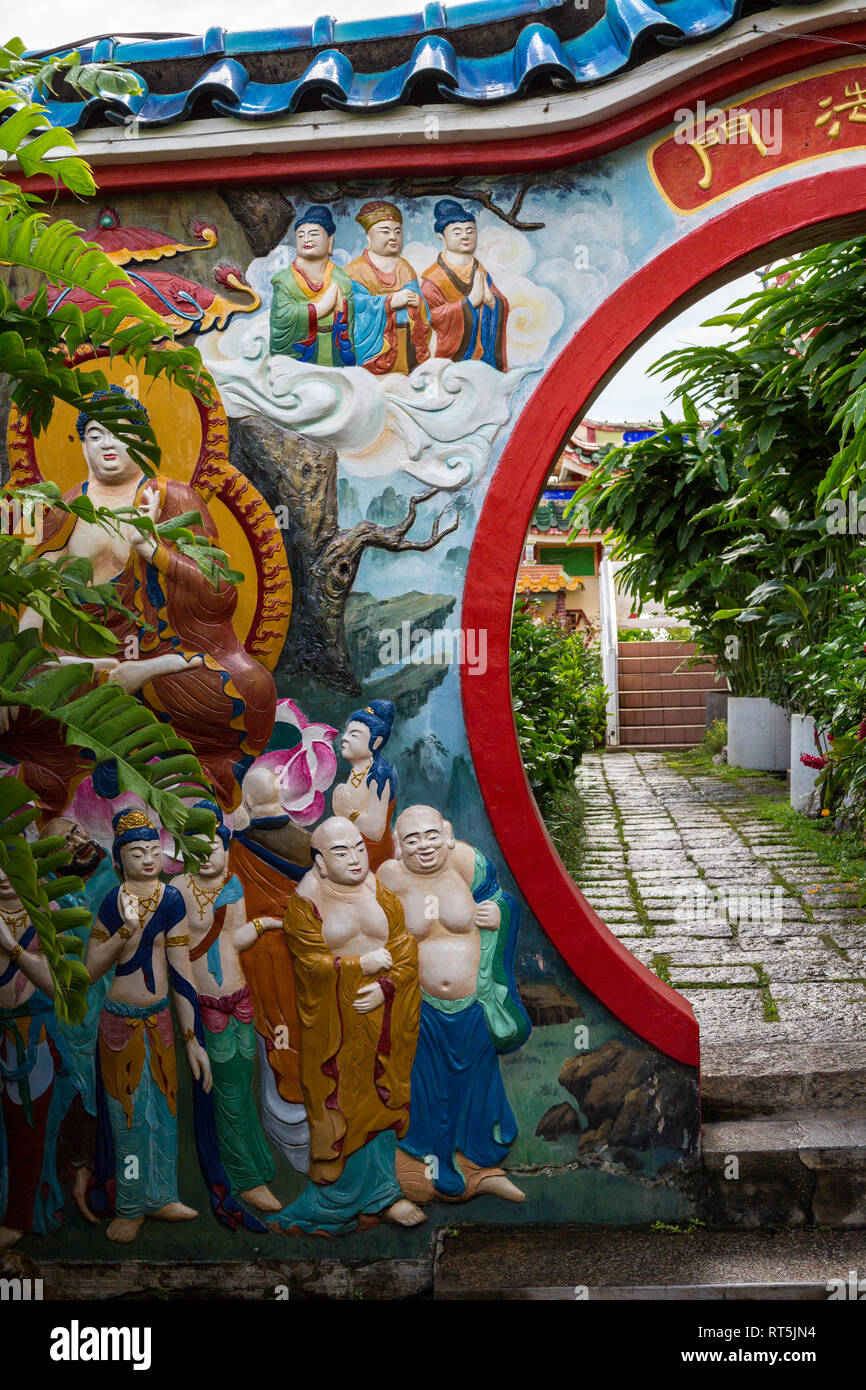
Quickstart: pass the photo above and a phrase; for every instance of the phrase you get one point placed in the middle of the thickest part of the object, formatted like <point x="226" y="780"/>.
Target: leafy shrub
<point x="716" y="736"/>
<point x="558" y="695"/>
<point x="832" y="677"/>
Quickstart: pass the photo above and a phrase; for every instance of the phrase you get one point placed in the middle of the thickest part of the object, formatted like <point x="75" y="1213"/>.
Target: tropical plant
<point x="834" y="674"/>
<point x="558" y="696"/>
<point x="37" y="348"/>
<point x="38" y="344"/>
<point x="729" y="521"/>
<point x="664" y="502"/>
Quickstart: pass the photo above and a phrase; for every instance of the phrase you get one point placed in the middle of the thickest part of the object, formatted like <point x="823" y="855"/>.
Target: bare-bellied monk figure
<point x="356" y="988"/>
<point x="462" y="1124"/>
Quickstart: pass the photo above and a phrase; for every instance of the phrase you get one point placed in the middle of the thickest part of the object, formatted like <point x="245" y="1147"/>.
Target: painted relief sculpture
<point x="141" y="930"/>
<point x="218" y="932"/>
<point x="270" y="855"/>
<point x="368" y="796"/>
<point x="180" y="654"/>
<point x="76" y="1153"/>
<point x="36" y="1086"/>
<point x="139" y="923"/>
<point x="461" y="1123"/>
<point x="392" y="322"/>
<point x="468" y="312"/>
<point x="186" y="305"/>
<point x="344" y="984"/>
<point x="313" y="310"/>
<point x="358" y="1000"/>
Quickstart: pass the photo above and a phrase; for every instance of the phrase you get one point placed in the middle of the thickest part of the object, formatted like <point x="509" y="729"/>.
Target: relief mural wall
<point x="347" y="1023"/>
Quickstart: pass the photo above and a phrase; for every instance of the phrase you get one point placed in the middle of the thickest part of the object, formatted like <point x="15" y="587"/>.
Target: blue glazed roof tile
<point x="334" y="78"/>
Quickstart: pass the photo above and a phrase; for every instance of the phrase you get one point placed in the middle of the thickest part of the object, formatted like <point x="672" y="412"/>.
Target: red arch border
<point x="764" y="224"/>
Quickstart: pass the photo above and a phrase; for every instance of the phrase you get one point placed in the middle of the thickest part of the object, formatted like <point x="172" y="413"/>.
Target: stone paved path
<point x="763" y="940"/>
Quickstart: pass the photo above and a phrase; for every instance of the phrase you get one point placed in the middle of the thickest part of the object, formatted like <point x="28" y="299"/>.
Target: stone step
<point x="663" y="698"/>
<point x="660" y="714"/>
<point x="636" y="1263"/>
<point x="635" y="679"/>
<point x="795" y="1168"/>
<point x="739" y="1080"/>
<point x="659" y="747"/>
<point x="657" y="736"/>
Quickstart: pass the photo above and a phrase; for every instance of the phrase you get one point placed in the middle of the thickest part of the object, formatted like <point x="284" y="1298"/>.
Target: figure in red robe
<point x="179" y="654"/>
<point x="467" y="311"/>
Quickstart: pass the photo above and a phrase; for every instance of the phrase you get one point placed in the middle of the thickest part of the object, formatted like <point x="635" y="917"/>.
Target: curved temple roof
<point x="479" y="53"/>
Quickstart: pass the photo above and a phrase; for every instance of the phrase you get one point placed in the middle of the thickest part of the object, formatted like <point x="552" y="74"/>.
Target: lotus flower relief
<point x="94" y="813"/>
<point x="304" y="773"/>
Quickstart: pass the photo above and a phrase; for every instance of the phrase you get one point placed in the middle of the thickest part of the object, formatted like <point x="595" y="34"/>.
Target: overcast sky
<point x="47" y="22"/>
<point x="44" y="23"/>
<point x="632" y="395"/>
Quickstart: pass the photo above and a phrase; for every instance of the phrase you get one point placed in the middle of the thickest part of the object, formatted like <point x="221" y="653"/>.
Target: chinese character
<point x="738" y="128"/>
<point x="855" y="105"/>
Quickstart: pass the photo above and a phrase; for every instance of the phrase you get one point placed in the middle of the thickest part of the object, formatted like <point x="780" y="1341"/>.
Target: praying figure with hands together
<point x="141" y="930"/>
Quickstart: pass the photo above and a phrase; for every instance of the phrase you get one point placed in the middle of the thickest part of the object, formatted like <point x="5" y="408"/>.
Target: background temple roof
<point x="478" y="53"/>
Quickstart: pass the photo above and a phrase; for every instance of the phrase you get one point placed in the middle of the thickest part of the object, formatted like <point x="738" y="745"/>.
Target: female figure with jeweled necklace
<point x="368" y="796"/>
<point x="139" y="924"/>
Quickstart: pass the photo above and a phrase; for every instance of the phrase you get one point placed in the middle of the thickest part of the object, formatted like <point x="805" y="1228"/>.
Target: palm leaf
<point x="26" y="868"/>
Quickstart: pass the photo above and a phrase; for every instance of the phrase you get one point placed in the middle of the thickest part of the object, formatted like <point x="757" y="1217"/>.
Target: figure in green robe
<point x="313" y="309"/>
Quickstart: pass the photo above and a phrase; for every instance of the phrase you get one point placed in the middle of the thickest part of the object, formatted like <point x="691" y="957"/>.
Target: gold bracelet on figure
<point x="259" y="925"/>
<point x="124" y="933"/>
<point x="177" y="941"/>
<point x="16" y="952"/>
<point x="98" y="933"/>
<point x="189" y="1035"/>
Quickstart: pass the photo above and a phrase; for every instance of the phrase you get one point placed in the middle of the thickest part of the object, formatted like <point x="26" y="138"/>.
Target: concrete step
<point x="795" y="1168"/>
<point x="636" y="1263"/>
<point x="751" y="1079"/>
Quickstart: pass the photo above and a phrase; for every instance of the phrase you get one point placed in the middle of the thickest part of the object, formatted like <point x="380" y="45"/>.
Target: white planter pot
<point x="804" y="798"/>
<point x="759" y="734"/>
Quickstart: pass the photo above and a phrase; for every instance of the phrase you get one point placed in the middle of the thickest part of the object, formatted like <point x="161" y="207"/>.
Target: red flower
<point x="809" y="760"/>
<point x="861" y="732"/>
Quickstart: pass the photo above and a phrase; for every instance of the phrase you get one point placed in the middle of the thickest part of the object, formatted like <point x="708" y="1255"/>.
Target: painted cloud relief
<point x="437" y="424"/>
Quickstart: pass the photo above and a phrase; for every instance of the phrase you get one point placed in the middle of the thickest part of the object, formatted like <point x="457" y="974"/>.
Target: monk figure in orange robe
<point x="359" y="1005"/>
<point x="468" y="312"/>
<point x="271" y="855"/>
<point x="392" y="322"/>
<point x="180" y="654"/>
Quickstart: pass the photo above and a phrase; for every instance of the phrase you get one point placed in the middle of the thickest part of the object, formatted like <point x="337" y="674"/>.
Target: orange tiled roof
<point x="545" y="579"/>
